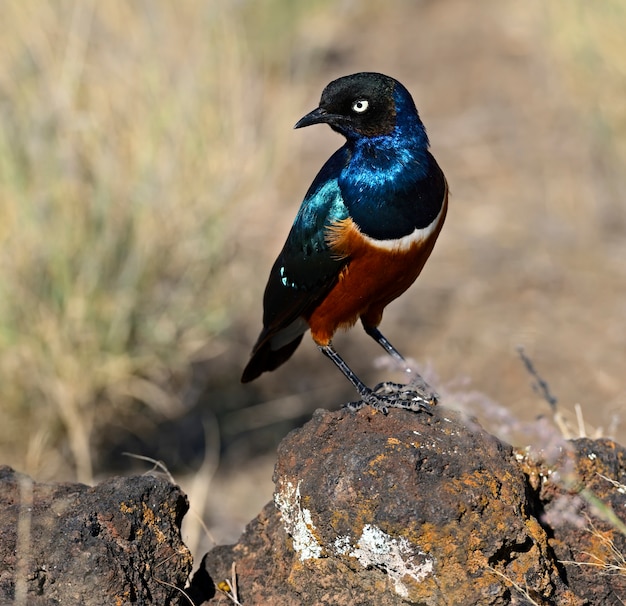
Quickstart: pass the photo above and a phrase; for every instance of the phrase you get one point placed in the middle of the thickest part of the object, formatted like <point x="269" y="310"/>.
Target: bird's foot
<point x="419" y="390"/>
<point x="395" y="395"/>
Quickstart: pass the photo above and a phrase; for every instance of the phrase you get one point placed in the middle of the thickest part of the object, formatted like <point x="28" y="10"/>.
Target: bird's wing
<point x="306" y="268"/>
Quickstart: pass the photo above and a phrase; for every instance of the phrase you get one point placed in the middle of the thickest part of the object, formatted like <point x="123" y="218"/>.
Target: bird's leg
<point x="330" y="352"/>
<point x="378" y="336"/>
<point x="377" y="400"/>
<point x="416" y="383"/>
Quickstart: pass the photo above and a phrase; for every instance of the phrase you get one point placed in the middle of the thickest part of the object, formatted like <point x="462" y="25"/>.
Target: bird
<point x="366" y="227"/>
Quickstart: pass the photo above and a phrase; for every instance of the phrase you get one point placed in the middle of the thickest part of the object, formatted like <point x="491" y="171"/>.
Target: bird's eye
<point x="360" y="105"/>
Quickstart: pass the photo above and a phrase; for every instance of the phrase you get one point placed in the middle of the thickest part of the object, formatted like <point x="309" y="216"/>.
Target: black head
<point x="363" y="104"/>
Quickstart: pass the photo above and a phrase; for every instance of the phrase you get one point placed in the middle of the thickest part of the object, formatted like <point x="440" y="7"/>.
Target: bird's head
<point x="366" y="104"/>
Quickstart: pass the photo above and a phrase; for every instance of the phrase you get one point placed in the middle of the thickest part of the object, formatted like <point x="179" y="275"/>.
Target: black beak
<point x="317" y="116"/>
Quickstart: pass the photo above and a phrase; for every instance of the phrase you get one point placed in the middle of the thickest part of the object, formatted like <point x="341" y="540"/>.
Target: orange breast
<point x="374" y="277"/>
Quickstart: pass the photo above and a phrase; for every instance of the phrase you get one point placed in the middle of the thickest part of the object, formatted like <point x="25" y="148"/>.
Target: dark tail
<point x="265" y="359"/>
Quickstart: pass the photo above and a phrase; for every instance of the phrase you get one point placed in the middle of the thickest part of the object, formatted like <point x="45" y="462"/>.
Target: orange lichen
<point x="379" y="458"/>
<point x="150" y="520"/>
<point x="124" y="508"/>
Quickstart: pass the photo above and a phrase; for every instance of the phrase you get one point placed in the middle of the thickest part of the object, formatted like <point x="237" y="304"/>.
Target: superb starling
<point x="363" y="233"/>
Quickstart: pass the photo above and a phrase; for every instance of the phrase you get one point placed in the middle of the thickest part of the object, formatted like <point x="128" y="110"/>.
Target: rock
<point x="409" y="509"/>
<point x="368" y="509"/>
<point x="112" y="544"/>
<point x="578" y="512"/>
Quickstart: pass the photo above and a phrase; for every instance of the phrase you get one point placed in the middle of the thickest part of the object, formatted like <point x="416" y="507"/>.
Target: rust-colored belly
<point x="373" y="278"/>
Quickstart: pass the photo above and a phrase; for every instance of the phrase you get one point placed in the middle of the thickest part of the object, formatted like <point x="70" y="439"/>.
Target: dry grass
<point x="132" y="134"/>
<point x="588" y="41"/>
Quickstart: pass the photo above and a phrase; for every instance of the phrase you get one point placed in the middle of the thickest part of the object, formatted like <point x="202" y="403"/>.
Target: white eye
<point x="360" y="105"/>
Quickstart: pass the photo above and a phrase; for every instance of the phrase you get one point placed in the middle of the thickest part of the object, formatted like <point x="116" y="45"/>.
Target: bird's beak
<point x="317" y="116"/>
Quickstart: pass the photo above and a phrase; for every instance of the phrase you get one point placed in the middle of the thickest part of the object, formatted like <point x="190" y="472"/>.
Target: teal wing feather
<point x="304" y="272"/>
<point x="306" y="268"/>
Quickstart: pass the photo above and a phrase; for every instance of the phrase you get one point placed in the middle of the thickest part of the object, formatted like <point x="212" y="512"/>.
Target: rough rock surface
<point x="577" y="511"/>
<point x="414" y="509"/>
<point x="368" y="509"/>
<point x="115" y="543"/>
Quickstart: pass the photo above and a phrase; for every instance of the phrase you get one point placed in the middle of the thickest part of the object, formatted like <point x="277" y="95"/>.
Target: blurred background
<point x="149" y="174"/>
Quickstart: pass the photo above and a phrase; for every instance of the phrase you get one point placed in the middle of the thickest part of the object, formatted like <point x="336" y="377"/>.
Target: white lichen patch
<point x="342" y="545"/>
<point x="297" y="521"/>
<point x="395" y="556"/>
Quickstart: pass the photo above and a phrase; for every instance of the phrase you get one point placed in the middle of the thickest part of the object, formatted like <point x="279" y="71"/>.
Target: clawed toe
<point x="408" y="393"/>
<point x="389" y="388"/>
<point x="394" y="395"/>
<point x="354" y="406"/>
